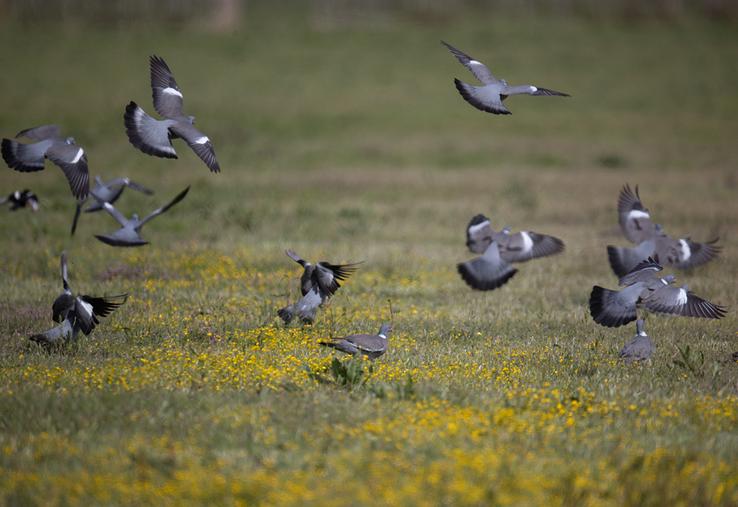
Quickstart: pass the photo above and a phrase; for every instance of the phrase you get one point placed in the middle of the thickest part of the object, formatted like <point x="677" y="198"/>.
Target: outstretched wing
<point x="123" y="221"/>
<point x="199" y="142"/>
<point x="40" y="133"/>
<point x="167" y="96"/>
<point x="634" y="218"/>
<point x="476" y="67"/>
<point x="73" y="162"/>
<point x="681" y="301"/>
<point x="87" y="309"/>
<point x="164" y="208"/>
<point x="327" y="275"/>
<point x="527" y="245"/>
<point x="479" y="234"/>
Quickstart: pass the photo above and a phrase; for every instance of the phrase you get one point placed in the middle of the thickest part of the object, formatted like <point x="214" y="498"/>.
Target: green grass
<point x="350" y="143"/>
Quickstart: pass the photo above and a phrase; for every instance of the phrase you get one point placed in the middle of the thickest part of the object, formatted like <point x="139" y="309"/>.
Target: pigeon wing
<point x="478" y="234"/>
<point x="480" y="71"/>
<point x="164" y="208"/>
<point x="117" y="215"/>
<point x="681" y="301"/>
<point x="73" y="162"/>
<point x="41" y="133"/>
<point x="199" y="142"/>
<point x="635" y="220"/>
<point x="527" y="245"/>
<point x="167" y="96"/>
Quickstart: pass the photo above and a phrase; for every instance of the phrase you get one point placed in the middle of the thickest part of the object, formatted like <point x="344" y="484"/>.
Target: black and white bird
<point x="652" y="241"/>
<point x="48" y="143"/>
<point x="129" y="233"/>
<point x="21" y="199"/>
<point x="318" y="283"/>
<point x="499" y="250"/>
<point x="490" y="96"/>
<point x="645" y="290"/>
<point x="371" y="345"/>
<point x="640" y="347"/>
<point x="76" y="312"/>
<point x="154" y="137"/>
<point x="109" y="191"/>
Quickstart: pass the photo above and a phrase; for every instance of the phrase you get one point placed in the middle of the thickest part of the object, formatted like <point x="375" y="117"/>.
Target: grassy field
<point x="347" y="141"/>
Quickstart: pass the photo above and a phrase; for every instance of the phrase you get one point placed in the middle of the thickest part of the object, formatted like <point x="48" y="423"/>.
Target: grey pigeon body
<point x="21" y="199"/>
<point x="644" y="289"/>
<point x="107" y="192"/>
<point x="318" y="283"/>
<point x="154" y="137"/>
<point x="490" y="95"/>
<point x="492" y="269"/>
<point x="57" y="335"/>
<point x="651" y="241"/>
<point x="640" y="347"/>
<point x="129" y="234"/>
<point x="371" y="345"/>
<point x="82" y="312"/>
<point x="48" y="143"/>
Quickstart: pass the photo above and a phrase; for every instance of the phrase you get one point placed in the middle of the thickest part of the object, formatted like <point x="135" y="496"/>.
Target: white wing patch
<point x="527" y="241"/>
<point x="636" y="214"/>
<point x="86" y="306"/>
<point x="202" y="140"/>
<point x="474" y="62"/>
<point x="172" y="91"/>
<point x="474" y="228"/>
<point x="78" y="156"/>
<point x="682" y="297"/>
<point x="685" y="250"/>
<point x="533" y="89"/>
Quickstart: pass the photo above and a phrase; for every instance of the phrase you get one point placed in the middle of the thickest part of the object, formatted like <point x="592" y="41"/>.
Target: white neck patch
<point x="382" y="336"/>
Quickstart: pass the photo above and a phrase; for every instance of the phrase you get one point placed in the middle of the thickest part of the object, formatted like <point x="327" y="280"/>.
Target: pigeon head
<point x="669" y="279"/>
<point x="134" y="217"/>
<point x="191" y="119"/>
<point x="504" y="83"/>
<point x="70" y="140"/>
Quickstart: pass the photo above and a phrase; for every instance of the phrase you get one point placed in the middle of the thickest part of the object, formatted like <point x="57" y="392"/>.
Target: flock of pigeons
<point x="638" y="267"/>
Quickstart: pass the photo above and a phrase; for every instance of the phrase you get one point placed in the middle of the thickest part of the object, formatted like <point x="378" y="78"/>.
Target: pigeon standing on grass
<point x="371" y="345"/>
<point x="640" y="347"/>
<point x="76" y="312"/>
<point x="154" y="137"/>
<point x="129" y="233"/>
<point x="107" y="192"/>
<point x="490" y="96"/>
<point x="644" y="289"/>
<point x="318" y="283"/>
<point x="499" y="249"/>
<point x="21" y="199"/>
<point x="652" y="241"/>
<point x="63" y="152"/>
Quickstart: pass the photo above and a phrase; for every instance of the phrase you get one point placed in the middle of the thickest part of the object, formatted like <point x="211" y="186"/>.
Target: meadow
<point x="344" y="139"/>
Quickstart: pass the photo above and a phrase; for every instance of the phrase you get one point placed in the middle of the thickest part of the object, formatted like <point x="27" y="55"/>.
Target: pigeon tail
<point x="481" y="284"/>
<point x="286" y="314"/>
<point x="617" y="263"/>
<point x="13" y="151"/>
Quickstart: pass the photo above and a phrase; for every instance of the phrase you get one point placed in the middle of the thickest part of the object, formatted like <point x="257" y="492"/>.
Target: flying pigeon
<point x="645" y="289"/>
<point x="63" y="152"/>
<point x="154" y="137"/>
<point x="652" y="241"/>
<point x="107" y="192"/>
<point x="129" y="233"/>
<point x="77" y="312"/>
<point x="371" y="345"/>
<point x="490" y="96"/>
<point x="492" y="269"/>
<point x="640" y="347"/>
<point x="21" y="199"/>
<point x="317" y="284"/>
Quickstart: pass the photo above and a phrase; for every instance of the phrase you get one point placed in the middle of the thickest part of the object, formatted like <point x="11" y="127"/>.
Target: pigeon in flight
<point x="490" y="96"/>
<point x="317" y="284"/>
<point x="107" y="192"/>
<point x="76" y="312"/>
<point x="644" y="289"/>
<point x="652" y="241"/>
<point x="129" y="233"/>
<point x="640" y="347"/>
<point x="21" y="199"/>
<point x="371" y="345"/>
<point x="154" y="137"/>
<point x="500" y="249"/>
<point x="48" y="143"/>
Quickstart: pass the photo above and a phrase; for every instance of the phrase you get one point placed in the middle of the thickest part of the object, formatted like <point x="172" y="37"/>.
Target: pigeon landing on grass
<point x="652" y="241"/>
<point x="129" y="233"/>
<point x="21" y="199"/>
<point x="490" y="96"/>
<point x="318" y="283"/>
<point x="63" y="152"/>
<point x="154" y="137"/>
<point x="107" y="192"/>
<point x="644" y="289"/>
<point x="499" y="249"/>
<point x="371" y="345"/>
<point x="640" y="347"/>
<point x="76" y="312"/>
